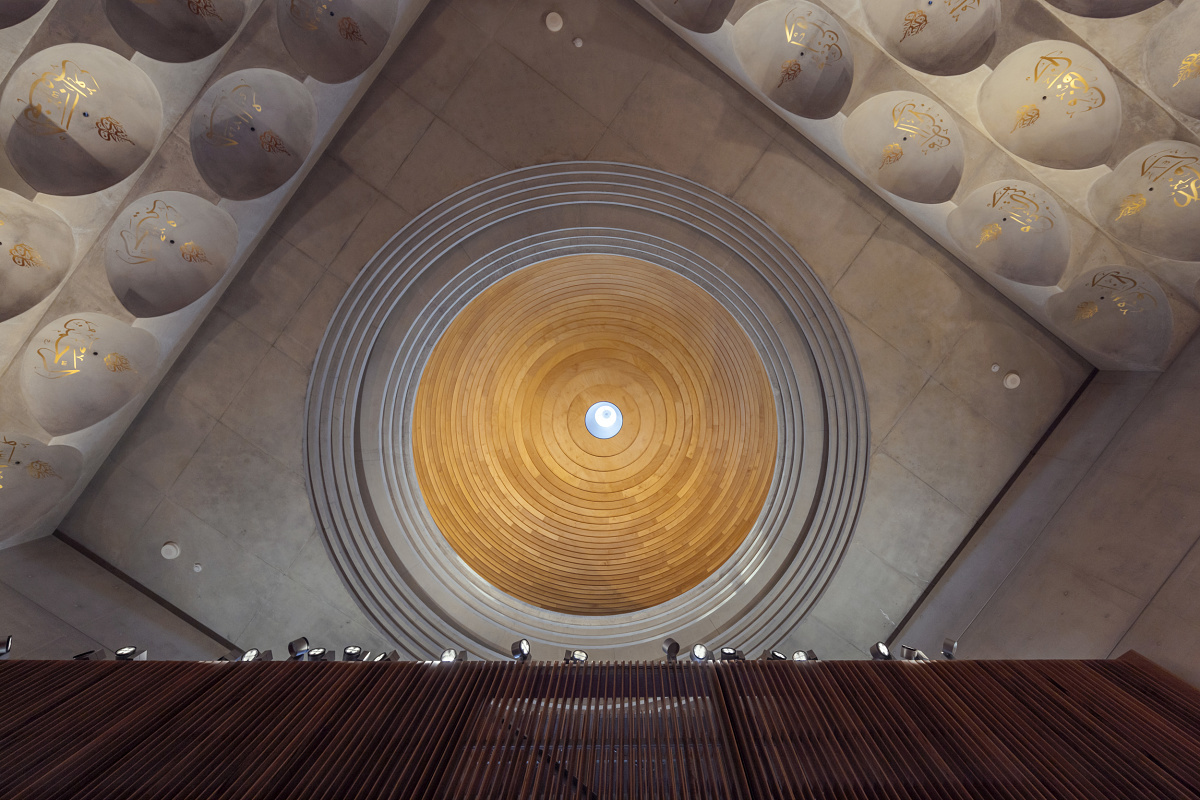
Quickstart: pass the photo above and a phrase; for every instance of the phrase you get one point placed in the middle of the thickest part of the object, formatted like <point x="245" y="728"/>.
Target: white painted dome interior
<point x="176" y="30"/>
<point x="335" y="41"/>
<point x="36" y="249"/>
<point x="937" y="38"/>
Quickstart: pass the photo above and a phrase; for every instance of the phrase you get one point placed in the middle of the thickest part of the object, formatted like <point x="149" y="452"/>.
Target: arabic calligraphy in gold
<point x="1070" y="86"/>
<point x="914" y="23"/>
<point x="24" y="255"/>
<point x="68" y="350"/>
<point x="240" y="104"/>
<point x="1124" y="291"/>
<point x="891" y="154"/>
<point x="1023" y="209"/>
<point x="306" y="13"/>
<point x="1180" y="173"/>
<point x="158" y="220"/>
<point x="1188" y="69"/>
<point x="54" y="97"/>
<point x="802" y="31"/>
<point x="112" y="131"/>
<point x="914" y="118"/>
<point x="957" y="7"/>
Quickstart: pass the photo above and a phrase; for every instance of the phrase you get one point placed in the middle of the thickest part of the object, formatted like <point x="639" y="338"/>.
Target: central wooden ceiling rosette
<point x="547" y="512"/>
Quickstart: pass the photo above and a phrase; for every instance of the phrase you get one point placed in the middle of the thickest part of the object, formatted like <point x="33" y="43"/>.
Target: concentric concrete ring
<point x="359" y="443"/>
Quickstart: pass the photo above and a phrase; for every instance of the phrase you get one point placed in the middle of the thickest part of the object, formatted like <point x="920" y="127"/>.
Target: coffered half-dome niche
<point x="82" y="368"/>
<point x="251" y="131"/>
<point x="701" y="16"/>
<point x="166" y="250"/>
<point x="1152" y="200"/>
<point x="798" y="55"/>
<point x="78" y="118"/>
<point x="13" y="12"/>
<point x="33" y="477"/>
<point x="1119" y="313"/>
<point x="1103" y="8"/>
<point x="175" y="30"/>
<point x="1172" y="58"/>
<point x="1053" y="103"/>
<point x="36" y="249"/>
<point x="335" y="40"/>
<point x="942" y="38"/>
<point x="908" y="144"/>
<point x="1014" y="229"/>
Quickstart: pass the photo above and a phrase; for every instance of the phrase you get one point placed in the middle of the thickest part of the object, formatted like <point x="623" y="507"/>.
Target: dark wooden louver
<point x="963" y="729"/>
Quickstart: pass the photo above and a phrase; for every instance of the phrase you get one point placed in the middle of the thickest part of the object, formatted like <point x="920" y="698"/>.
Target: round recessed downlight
<point x="603" y="420"/>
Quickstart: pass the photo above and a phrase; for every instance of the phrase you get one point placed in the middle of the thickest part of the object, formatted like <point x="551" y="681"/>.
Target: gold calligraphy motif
<point x="989" y="233"/>
<point x="241" y="104"/>
<point x="193" y="252"/>
<point x="957" y="7"/>
<point x="1188" y="69"/>
<point x="1079" y="95"/>
<point x="348" y="29"/>
<point x="69" y="349"/>
<point x="203" y="8"/>
<point x="1114" y="281"/>
<point x="25" y="256"/>
<point x="1026" y="116"/>
<point x="41" y="469"/>
<point x="1023" y="209"/>
<point x="54" y="96"/>
<point x="1125" y="294"/>
<point x="891" y="154"/>
<point x="306" y="13"/>
<point x="789" y="71"/>
<point x="914" y="23"/>
<point x="909" y="117"/>
<point x="112" y="131"/>
<point x="158" y="220"/>
<point x="803" y="32"/>
<point x="118" y="363"/>
<point x="1131" y="205"/>
<point x="1086" y="310"/>
<point x="1181" y="174"/>
<point x="1049" y="66"/>
<point x="1135" y="302"/>
<point x="271" y="142"/>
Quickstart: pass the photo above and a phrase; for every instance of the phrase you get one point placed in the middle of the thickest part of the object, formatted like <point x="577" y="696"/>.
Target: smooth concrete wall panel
<point x="214" y="453"/>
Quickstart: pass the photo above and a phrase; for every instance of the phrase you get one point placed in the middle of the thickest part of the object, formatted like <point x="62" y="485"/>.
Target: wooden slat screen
<point x="987" y="729"/>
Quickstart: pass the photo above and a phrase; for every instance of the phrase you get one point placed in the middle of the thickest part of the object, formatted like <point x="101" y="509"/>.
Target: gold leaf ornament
<point x="1026" y="116"/>
<point x="1131" y="205"/>
<point x="112" y="131"/>
<point x="39" y="470"/>
<point x="115" y="362"/>
<point x="989" y="233"/>
<point x="271" y="142"/>
<point x="789" y="71"/>
<point x="1086" y="310"/>
<point x="190" y="251"/>
<point x="891" y="154"/>
<point x="914" y="23"/>
<point x="203" y="8"/>
<point x="349" y="30"/>
<point x="25" y="256"/>
<point x="1188" y="69"/>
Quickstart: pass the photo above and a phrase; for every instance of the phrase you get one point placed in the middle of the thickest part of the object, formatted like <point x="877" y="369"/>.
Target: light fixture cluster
<point x="881" y="652"/>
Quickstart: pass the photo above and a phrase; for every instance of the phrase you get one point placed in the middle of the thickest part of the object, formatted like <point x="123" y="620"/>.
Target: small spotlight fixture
<point x="520" y="650"/>
<point x="880" y="652"/>
<point x="912" y="654"/>
<point x="254" y="654"/>
<point x="130" y="653"/>
<point x="671" y="648"/>
<point x="773" y="655"/>
<point x="6" y="647"/>
<point x="317" y="654"/>
<point x="381" y="657"/>
<point x="352" y="653"/>
<point x="450" y="655"/>
<point x="298" y="648"/>
<point x="391" y="655"/>
<point x="699" y="653"/>
<point x="949" y="648"/>
<point x="805" y="655"/>
<point x="575" y="657"/>
<point x="731" y="654"/>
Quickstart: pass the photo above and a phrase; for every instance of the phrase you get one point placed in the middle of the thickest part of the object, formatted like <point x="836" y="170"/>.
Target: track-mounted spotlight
<point x="575" y="657"/>
<point x="912" y="654"/>
<point x="731" y="654"/>
<point x="699" y="653"/>
<point x="389" y="656"/>
<point x="805" y="655"/>
<point x="880" y="652"/>
<point x="772" y="655"/>
<point x="381" y="657"/>
<point x="671" y="648"/>
<point x="318" y="654"/>
<point x="450" y="655"/>
<point x="5" y="647"/>
<point x="949" y="648"/>
<point x="298" y="648"/>
<point x="520" y="649"/>
<point x="352" y="653"/>
<point x="130" y="653"/>
<point x="254" y="654"/>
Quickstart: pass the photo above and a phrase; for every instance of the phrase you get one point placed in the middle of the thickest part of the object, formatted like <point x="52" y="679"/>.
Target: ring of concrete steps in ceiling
<point x="361" y="445"/>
